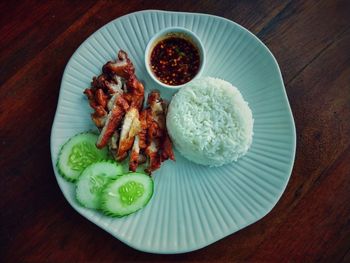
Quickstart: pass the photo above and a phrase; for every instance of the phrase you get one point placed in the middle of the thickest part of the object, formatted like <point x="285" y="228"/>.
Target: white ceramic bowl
<point x="168" y="32"/>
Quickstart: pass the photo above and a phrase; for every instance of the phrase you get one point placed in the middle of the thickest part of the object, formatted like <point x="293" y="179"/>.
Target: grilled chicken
<point x="152" y="151"/>
<point x="113" y="120"/>
<point x="122" y="67"/>
<point x="159" y="145"/>
<point x="131" y="127"/>
<point x="117" y="98"/>
<point x="134" y="155"/>
<point x="137" y="92"/>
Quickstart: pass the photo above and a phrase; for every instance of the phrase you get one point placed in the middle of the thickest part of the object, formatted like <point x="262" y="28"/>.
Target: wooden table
<point x="311" y="41"/>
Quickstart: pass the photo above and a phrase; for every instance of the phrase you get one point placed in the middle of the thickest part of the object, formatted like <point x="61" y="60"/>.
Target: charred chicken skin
<point x="114" y="118"/>
<point x="122" y="67"/>
<point x="159" y="145"/>
<point x="131" y="127"/>
<point x="117" y="97"/>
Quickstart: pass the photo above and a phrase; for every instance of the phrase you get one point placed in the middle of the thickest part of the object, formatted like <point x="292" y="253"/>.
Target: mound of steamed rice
<point x="209" y="122"/>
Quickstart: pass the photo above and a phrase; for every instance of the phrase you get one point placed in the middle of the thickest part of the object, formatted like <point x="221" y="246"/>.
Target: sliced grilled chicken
<point x="143" y="133"/>
<point x="131" y="127"/>
<point x="117" y="97"/>
<point x="152" y="151"/>
<point x="113" y="120"/>
<point x="137" y="92"/>
<point x="122" y="67"/>
<point x="166" y="149"/>
<point x="134" y="155"/>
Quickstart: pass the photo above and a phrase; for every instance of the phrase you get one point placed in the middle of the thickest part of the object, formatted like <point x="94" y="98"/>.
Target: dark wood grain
<point x="32" y="27"/>
<point x="311" y="222"/>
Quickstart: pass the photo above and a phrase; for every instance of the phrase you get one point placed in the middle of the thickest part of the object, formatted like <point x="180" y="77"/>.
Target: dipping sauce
<point x="175" y="61"/>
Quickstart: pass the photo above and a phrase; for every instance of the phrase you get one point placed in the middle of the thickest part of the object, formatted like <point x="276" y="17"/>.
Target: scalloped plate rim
<point x="215" y="239"/>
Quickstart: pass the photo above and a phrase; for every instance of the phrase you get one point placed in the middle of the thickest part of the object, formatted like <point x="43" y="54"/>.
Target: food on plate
<point x="175" y="60"/>
<point x="113" y="94"/>
<point x="101" y="183"/>
<point x="93" y="180"/>
<point x="127" y="194"/>
<point x="158" y="147"/>
<point x="127" y="129"/>
<point x="117" y="98"/>
<point x="77" y="154"/>
<point x="209" y="122"/>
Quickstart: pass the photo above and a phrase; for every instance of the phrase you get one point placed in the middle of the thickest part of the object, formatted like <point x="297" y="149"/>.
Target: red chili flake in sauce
<point x="175" y="61"/>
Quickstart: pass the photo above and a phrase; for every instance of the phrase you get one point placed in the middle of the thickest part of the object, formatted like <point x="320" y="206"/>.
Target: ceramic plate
<point x="192" y="206"/>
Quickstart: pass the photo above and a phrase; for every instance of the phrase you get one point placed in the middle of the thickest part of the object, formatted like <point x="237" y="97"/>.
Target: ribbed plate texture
<point x="192" y="206"/>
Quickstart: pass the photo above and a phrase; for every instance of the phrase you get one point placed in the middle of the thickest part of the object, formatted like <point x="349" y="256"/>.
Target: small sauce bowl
<point x="185" y="39"/>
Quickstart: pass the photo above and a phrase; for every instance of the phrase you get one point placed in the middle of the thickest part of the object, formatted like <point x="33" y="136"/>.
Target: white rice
<point x="209" y="122"/>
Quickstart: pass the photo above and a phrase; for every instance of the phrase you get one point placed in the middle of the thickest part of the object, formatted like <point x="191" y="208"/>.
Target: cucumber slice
<point x="93" y="180"/>
<point x="127" y="194"/>
<point x="78" y="153"/>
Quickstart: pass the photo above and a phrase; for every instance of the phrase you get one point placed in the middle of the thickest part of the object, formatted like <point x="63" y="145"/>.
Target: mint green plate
<point x="192" y="206"/>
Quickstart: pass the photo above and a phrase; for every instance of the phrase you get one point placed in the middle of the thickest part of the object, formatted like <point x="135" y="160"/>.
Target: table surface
<point x="311" y="42"/>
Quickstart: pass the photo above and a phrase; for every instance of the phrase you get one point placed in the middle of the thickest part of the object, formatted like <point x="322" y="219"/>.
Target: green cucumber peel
<point x="77" y="153"/>
<point x="126" y="194"/>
